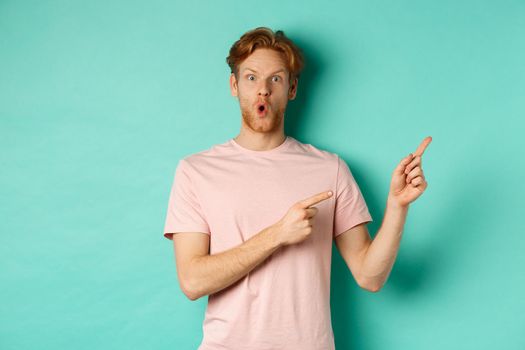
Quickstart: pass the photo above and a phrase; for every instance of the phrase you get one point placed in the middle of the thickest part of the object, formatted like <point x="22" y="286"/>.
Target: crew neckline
<point x="277" y="149"/>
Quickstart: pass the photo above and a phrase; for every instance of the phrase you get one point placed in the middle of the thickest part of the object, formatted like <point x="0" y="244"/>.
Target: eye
<point x="250" y="76"/>
<point x="276" y="77"/>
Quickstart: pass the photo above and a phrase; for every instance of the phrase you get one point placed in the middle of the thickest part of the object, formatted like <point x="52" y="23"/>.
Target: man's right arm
<point x="201" y="274"/>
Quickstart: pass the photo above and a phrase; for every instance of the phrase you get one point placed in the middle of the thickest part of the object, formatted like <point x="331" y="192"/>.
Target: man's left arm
<point x="371" y="261"/>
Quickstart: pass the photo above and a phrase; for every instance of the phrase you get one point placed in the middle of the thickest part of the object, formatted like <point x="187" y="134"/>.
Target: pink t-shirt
<point x="232" y="193"/>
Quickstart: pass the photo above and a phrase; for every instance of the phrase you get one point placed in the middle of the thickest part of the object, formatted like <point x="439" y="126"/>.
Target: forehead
<point x="264" y="60"/>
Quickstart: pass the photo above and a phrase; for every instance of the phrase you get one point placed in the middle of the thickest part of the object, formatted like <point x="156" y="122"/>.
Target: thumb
<point x="400" y="169"/>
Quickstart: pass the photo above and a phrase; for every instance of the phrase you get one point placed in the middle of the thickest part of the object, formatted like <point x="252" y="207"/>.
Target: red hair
<point x="263" y="37"/>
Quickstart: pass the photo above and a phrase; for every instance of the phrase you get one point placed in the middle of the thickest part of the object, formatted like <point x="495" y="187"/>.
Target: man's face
<point x="263" y="89"/>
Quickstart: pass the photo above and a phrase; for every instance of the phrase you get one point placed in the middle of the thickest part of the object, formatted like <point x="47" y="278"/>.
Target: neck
<point x="260" y="141"/>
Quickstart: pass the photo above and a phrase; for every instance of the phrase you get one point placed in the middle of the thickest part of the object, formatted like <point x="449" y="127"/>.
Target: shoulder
<point x="197" y="159"/>
<point x="316" y="151"/>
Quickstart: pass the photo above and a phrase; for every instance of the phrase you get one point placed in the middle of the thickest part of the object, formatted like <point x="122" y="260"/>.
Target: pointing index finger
<point x="308" y="202"/>
<point x="421" y="148"/>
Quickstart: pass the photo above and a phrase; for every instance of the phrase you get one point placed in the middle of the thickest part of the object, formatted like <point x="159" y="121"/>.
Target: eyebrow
<point x="253" y="70"/>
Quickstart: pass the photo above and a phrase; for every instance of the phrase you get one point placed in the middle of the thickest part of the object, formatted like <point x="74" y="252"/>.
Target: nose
<point x="264" y="89"/>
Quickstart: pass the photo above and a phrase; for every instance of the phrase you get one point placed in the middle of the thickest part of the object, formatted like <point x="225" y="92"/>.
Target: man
<point x="253" y="219"/>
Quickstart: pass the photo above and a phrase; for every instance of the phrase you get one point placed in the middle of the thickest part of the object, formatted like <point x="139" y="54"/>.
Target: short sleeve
<point x="350" y="206"/>
<point x="184" y="212"/>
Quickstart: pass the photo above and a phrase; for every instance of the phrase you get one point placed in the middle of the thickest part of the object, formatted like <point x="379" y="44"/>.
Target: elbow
<point x="373" y="289"/>
<point x="190" y="295"/>
<point x="190" y="286"/>
<point x="189" y="292"/>
<point x="370" y="286"/>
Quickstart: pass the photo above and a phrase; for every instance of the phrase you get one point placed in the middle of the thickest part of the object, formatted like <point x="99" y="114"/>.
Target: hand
<point x="296" y="225"/>
<point x="408" y="181"/>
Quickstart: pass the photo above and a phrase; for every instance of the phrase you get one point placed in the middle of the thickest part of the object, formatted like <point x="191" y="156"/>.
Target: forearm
<point x="212" y="273"/>
<point x="381" y="254"/>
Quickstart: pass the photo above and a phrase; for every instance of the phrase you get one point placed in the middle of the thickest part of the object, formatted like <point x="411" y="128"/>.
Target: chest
<point x="240" y="201"/>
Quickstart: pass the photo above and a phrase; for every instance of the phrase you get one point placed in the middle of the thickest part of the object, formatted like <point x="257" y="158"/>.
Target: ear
<point x="293" y="89"/>
<point x="233" y="84"/>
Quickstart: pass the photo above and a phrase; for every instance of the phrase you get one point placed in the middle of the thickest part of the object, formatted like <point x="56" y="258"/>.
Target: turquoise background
<point x="99" y="100"/>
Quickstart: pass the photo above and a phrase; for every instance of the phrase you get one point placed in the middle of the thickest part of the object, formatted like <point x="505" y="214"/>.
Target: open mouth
<point x="262" y="109"/>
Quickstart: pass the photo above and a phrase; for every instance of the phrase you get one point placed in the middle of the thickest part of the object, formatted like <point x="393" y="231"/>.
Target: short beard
<point x="250" y="120"/>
